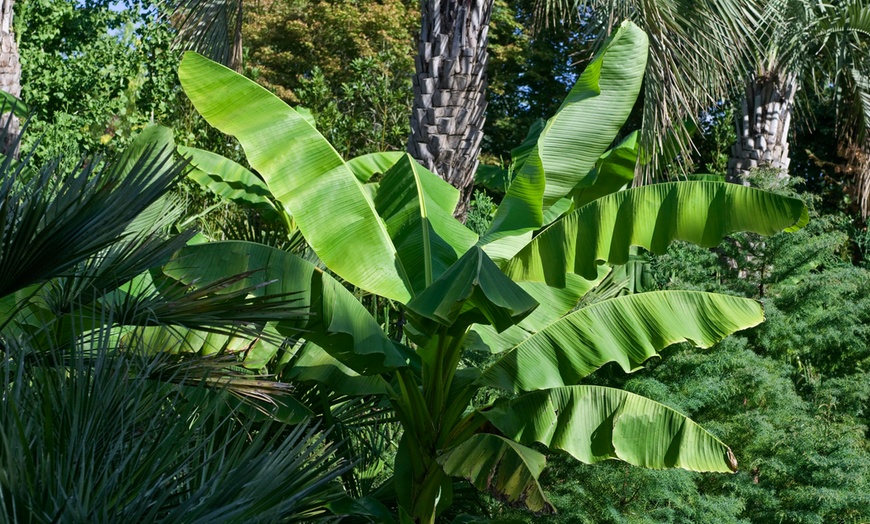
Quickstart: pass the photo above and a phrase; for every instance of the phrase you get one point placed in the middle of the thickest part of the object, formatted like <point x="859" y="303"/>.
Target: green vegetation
<point x="331" y="345"/>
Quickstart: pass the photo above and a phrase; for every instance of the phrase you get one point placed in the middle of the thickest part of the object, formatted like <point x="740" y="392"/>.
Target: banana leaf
<point x="553" y="304"/>
<point x="474" y="286"/>
<point x="627" y="330"/>
<point x="614" y="171"/>
<point x="10" y="102"/>
<point x="580" y="132"/>
<point x="417" y="208"/>
<point x="364" y="167"/>
<point x="502" y="467"/>
<point x="229" y="180"/>
<point x="303" y="172"/>
<point x="651" y="217"/>
<point x="594" y="423"/>
<point x="337" y="322"/>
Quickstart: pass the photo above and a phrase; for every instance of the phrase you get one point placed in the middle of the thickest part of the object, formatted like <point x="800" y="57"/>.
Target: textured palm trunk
<point x="449" y="91"/>
<point x="762" y="127"/>
<point x="10" y="75"/>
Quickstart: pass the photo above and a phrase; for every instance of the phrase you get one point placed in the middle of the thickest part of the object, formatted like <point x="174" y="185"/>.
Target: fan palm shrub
<point x="101" y="422"/>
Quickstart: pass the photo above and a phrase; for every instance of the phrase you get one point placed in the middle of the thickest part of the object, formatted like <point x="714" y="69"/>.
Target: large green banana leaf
<point x="303" y="172"/>
<point x="574" y="139"/>
<point x="229" y="180"/>
<point x="337" y="322"/>
<point x="500" y="466"/>
<point x="554" y="303"/>
<point x="417" y="207"/>
<point x="614" y="171"/>
<point x="316" y="365"/>
<point x="366" y="166"/>
<point x="595" y="423"/>
<point x="627" y="330"/>
<point x="651" y="217"/>
<point x="474" y="286"/>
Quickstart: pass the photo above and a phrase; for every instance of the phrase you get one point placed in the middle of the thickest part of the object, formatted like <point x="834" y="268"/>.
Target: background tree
<point x="803" y="42"/>
<point x="695" y="49"/>
<point x="450" y="91"/>
<point x="10" y="73"/>
<point x="350" y="63"/>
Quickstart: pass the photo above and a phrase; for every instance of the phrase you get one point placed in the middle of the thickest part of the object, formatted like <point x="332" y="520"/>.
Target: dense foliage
<point x="790" y="396"/>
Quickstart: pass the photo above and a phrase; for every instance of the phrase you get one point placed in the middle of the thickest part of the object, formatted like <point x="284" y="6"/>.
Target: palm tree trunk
<point x="762" y="128"/>
<point x="10" y="76"/>
<point x="449" y="91"/>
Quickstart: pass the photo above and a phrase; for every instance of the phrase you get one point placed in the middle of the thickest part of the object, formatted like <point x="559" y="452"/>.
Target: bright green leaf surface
<point x="627" y="330"/>
<point x="595" y="423"/>
<point x="651" y="217"/>
<point x="574" y="139"/>
<point x="303" y="172"/>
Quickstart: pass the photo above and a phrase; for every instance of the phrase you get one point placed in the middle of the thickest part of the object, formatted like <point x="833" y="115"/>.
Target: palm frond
<point x="54" y="221"/>
<point x="212" y="28"/>
<point x="95" y="438"/>
<point x="697" y="50"/>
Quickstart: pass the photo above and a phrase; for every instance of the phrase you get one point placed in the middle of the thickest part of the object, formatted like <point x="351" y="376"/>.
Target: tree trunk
<point x="10" y="76"/>
<point x="762" y="128"/>
<point x="449" y="91"/>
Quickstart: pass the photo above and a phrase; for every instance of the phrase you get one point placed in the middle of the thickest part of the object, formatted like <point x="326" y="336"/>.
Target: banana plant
<point x="518" y="293"/>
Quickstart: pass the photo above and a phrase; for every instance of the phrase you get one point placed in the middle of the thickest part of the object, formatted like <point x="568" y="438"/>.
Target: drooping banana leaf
<point x="595" y="423"/>
<point x="502" y="467"/>
<point x="337" y="322"/>
<point x="366" y="166"/>
<point x="229" y="180"/>
<point x="627" y="330"/>
<point x="316" y="365"/>
<point x="473" y="285"/>
<point x="303" y="172"/>
<point x="554" y="303"/>
<point x="417" y="208"/>
<point x="574" y="139"/>
<point x="651" y="217"/>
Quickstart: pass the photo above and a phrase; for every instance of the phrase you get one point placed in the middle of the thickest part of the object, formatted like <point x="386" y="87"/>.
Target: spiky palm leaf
<point x="696" y="53"/>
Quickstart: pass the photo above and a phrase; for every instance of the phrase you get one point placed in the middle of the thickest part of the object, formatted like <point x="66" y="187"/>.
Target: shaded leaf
<point x="476" y="285"/>
<point x="504" y="468"/>
<point x="229" y="180"/>
<point x="336" y="321"/>
<point x="366" y="166"/>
